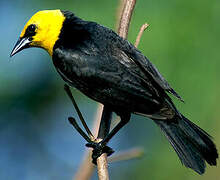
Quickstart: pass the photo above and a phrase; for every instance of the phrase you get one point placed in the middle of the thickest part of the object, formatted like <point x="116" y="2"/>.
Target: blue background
<point x="36" y="140"/>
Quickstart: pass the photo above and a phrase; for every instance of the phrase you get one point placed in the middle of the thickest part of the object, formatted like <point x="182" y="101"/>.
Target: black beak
<point x="21" y="44"/>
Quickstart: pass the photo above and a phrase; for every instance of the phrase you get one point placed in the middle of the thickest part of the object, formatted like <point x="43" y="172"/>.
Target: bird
<point x="110" y="70"/>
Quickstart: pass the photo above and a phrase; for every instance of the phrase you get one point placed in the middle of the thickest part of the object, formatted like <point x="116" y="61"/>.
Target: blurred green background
<point x="36" y="140"/>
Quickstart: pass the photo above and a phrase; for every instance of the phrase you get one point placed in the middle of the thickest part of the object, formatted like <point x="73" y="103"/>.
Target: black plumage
<point x="110" y="70"/>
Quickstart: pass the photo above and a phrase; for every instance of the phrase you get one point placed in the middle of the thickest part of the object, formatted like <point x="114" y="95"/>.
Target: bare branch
<point x="126" y="18"/>
<point x="86" y="168"/>
<point x="102" y="166"/>
<point x="119" y="13"/>
<point x="127" y="155"/>
<point x="142" y="29"/>
<point x="102" y="163"/>
<point x="104" y="127"/>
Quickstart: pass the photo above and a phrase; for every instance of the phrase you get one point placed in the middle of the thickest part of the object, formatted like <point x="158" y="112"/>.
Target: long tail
<point x="193" y="145"/>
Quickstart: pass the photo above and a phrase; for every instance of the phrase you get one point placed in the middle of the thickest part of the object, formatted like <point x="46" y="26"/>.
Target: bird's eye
<point x="32" y="28"/>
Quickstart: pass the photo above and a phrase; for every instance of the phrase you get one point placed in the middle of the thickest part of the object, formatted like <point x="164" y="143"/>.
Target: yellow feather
<point x="49" y="24"/>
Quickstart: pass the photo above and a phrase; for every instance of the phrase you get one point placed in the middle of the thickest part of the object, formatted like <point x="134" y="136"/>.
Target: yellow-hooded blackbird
<point x="110" y="70"/>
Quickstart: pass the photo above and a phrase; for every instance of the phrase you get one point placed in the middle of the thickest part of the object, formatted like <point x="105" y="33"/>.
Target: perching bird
<point x="110" y="70"/>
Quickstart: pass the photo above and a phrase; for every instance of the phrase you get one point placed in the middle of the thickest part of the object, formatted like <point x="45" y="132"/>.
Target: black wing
<point x="107" y="81"/>
<point x="149" y="69"/>
<point x="107" y="68"/>
<point x="128" y="55"/>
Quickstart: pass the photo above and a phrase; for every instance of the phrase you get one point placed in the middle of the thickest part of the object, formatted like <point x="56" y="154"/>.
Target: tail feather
<point x="192" y="144"/>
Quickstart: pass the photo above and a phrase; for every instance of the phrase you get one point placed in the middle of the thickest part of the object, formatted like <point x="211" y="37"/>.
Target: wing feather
<point x="149" y="69"/>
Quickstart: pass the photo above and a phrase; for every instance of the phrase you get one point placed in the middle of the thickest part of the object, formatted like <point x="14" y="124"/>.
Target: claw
<point x="98" y="150"/>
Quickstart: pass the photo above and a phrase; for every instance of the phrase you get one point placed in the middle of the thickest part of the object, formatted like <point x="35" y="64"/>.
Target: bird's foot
<point x="99" y="149"/>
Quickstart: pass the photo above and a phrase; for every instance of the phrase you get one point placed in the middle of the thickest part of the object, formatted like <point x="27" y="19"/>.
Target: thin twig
<point x="142" y="29"/>
<point x="127" y="155"/>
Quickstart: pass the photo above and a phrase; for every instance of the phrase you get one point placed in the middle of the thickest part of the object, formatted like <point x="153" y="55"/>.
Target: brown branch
<point x="102" y="163"/>
<point x="119" y="12"/>
<point x="126" y="18"/>
<point x="127" y="155"/>
<point x="86" y="168"/>
<point x="142" y="29"/>
<point x="102" y="167"/>
<point x="104" y="127"/>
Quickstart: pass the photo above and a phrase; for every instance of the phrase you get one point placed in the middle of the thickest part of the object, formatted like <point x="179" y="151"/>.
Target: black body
<point x="110" y="70"/>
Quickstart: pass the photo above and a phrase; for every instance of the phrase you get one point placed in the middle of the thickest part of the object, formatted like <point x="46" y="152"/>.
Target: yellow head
<point x="42" y="30"/>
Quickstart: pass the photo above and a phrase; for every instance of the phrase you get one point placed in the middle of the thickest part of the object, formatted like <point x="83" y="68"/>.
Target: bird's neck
<point x="73" y="33"/>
